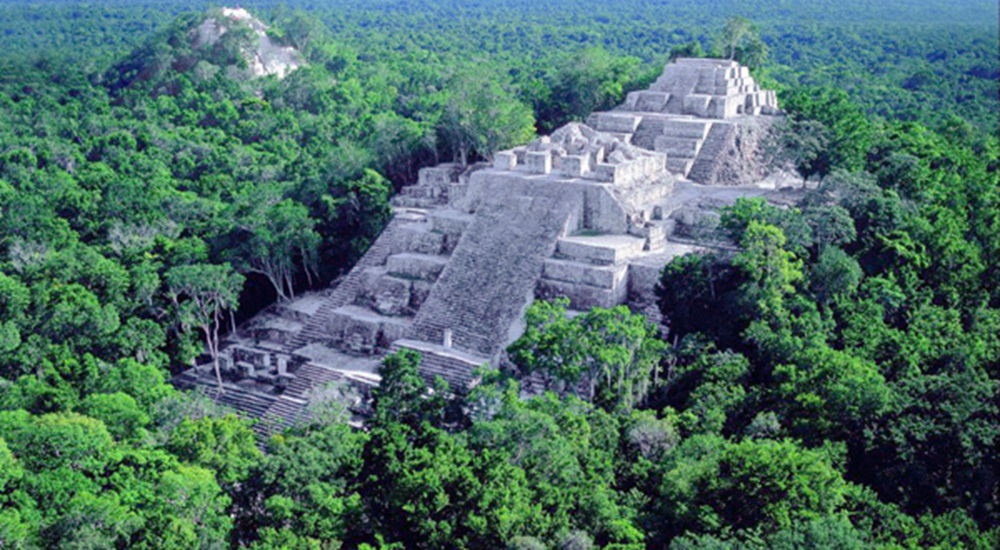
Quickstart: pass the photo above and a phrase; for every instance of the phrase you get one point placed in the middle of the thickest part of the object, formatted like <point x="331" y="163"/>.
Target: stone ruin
<point x="592" y="212"/>
<point x="707" y="115"/>
<point x="265" y="57"/>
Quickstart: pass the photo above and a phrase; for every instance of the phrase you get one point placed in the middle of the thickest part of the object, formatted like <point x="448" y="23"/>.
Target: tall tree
<point x="481" y="115"/>
<point x="201" y="295"/>
<point x="273" y="240"/>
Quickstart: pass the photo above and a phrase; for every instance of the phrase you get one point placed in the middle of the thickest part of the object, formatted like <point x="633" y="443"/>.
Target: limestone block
<point x="608" y="249"/>
<point x="456" y="192"/>
<point x="415" y="266"/>
<point x="356" y="330"/>
<point x="425" y="242"/>
<point x="392" y="296"/>
<point x="392" y="330"/>
<point x="418" y="293"/>
<point x="605" y="172"/>
<point x="582" y="296"/>
<point x="602" y="276"/>
<point x="449" y="222"/>
<point x="614" y="122"/>
<point x="574" y="166"/>
<point x="643" y="278"/>
<point x="687" y="128"/>
<point x="677" y="146"/>
<point x="631" y="104"/>
<point x="538" y="162"/>
<point x="438" y="176"/>
<point x="505" y="160"/>
<point x="697" y="104"/>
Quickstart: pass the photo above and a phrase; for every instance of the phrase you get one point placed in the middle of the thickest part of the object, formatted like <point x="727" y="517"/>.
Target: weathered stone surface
<point x="492" y="273"/>
<point x="415" y="266"/>
<point x="391" y="295"/>
<point x="601" y="249"/>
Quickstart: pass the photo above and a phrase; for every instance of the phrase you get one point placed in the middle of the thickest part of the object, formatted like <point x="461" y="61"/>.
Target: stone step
<point x="281" y="415"/>
<point x="247" y="403"/>
<point x="680" y="166"/>
<point x="411" y="265"/>
<point x="647" y="101"/>
<point x="687" y="128"/>
<point x="418" y="238"/>
<point x="697" y="104"/>
<point x="362" y="330"/>
<point x="600" y="249"/>
<point x="389" y="294"/>
<point x="449" y="221"/>
<point x="570" y="271"/>
<point x="492" y="273"/>
<point x="650" y="193"/>
<point x="614" y="122"/>
<point x="583" y="297"/>
<point x="455" y="366"/>
<point x="678" y="147"/>
<point x="347" y="289"/>
<point x="310" y="376"/>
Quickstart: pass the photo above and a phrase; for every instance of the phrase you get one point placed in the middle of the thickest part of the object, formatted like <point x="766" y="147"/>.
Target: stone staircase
<point x="374" y="304"/>
<point x="711" y="148"/>
<point x="454" y="366"/>
<point x="682" y="141"/>
<point x="679" y="137"/>
<point x="316" y="328"/>
<point x="281" y="415"/>
<point x="492" y="274"/>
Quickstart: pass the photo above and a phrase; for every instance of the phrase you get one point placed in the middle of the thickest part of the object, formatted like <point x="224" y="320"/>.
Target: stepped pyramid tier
<point x="706" y="88"/>
<point x="591" y="212"/>
<point x="708" y="116"/>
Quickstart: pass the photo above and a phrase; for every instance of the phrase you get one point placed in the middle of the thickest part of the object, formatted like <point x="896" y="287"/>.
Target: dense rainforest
<point x="832" y="381"/>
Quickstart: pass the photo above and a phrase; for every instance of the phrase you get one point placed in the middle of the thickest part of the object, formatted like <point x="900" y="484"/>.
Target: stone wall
<point x="736" y="154"/>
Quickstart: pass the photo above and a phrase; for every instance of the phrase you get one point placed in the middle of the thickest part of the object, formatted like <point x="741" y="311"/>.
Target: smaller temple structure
<point x="708" y="116"/>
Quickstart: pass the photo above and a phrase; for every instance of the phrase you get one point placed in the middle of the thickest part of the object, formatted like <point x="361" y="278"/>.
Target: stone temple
<point x="592" y="212"/>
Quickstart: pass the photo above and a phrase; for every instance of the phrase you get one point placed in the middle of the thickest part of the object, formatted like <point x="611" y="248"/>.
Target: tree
<point x="584" y="82"/>
<point x="274" y="238"/>
<point x="201" y="295"/>
<point x="710" y="485"/>
<point x="772" y="270"/>
<point x="698" y="293"/>
<point x="830" y="224"/>
<point x="835" y="275"/>
<point x="843" y="131"/>
<point x="551" y="346"/>
<point x="623" y="352"/>
<point x="481" y="115"/>
<point x="734" y="31"/>
<point x="615" y="352"/>
<point x="225" y="444"/>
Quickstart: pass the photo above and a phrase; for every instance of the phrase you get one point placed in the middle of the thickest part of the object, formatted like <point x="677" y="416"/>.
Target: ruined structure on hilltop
<point x="592" y="212"/>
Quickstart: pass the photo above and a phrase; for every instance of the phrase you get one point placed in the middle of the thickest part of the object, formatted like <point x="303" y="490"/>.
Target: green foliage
<point x="481" y="116"/>
<point x="224" y="445"/>
<point x="614" y="352"/>
<point x="843" y="130"/>
<point x="767" y="485"/>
